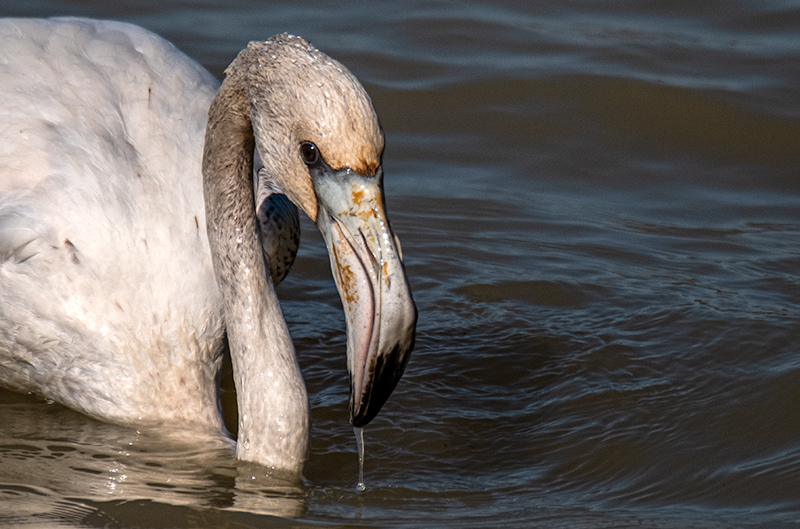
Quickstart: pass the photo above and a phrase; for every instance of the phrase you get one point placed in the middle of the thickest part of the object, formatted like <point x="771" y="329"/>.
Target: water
<point x="360" y="486"/>
<point x="599" y="205"/>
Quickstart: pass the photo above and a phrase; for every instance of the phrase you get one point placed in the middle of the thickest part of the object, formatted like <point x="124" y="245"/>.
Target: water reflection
<point x="47" y="451"/>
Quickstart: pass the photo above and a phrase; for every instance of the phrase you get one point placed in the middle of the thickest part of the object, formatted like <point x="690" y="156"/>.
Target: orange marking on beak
<point x="357" y="195"/>
<point x="346" y="278"/>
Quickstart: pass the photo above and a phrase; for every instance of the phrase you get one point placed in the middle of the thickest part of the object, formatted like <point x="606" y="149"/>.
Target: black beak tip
<point x="388" y="370"/>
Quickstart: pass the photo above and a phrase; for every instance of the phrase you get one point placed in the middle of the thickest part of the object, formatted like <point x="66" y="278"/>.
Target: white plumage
<point x="101" y="135"/>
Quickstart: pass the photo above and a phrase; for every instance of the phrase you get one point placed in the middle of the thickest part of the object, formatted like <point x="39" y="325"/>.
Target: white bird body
<point x="110" y="302"/>
<point x="99" y="139"/>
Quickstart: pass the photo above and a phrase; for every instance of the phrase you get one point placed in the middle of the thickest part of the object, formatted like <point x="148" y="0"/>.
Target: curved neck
<point x="271" y="395"/>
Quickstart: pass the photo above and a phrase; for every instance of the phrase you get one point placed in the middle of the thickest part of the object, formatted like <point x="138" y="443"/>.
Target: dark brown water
<point x="599" y="204"/>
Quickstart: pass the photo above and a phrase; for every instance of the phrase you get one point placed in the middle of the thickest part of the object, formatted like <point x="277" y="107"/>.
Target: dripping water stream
<point x="360" y="486"/>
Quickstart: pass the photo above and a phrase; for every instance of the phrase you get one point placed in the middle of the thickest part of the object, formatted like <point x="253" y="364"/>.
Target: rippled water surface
<point x="599" y="205"/>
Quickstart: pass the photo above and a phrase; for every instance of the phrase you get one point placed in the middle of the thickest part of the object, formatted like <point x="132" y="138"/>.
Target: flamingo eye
<point x="310" y="154"/>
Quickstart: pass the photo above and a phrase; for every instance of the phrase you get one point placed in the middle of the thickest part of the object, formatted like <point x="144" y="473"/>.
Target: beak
<point x="367" y="266"/>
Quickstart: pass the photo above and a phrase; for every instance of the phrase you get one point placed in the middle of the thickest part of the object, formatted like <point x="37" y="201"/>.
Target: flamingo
<point x="147" y="213"/>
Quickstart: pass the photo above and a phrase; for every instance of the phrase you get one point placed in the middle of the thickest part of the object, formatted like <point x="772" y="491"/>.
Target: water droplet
<point x="239" y="240"/>
<point x="360" y="486"/>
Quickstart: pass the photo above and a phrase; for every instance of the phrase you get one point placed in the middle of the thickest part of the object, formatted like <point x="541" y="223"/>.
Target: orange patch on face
<point x="365" y="168"/>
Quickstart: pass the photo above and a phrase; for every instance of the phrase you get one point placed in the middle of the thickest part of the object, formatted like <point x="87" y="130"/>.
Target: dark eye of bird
<point x="310" y="154"/>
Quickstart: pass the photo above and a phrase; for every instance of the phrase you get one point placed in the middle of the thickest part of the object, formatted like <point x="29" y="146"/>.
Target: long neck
<point x="272" y="400"/>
